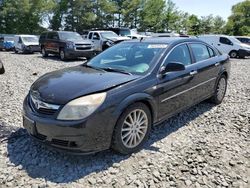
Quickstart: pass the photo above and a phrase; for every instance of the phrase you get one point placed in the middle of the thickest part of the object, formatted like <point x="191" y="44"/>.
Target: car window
<point x="225" y="40"/>
<point x="211" y="52"/>
<point x="200" y="52"/>
<point x="43" y="36"/>
<point x="90" y="35"/>
<point x="180" y="54"/>
<point x="96" y="36"/>
<point x="53" y="35"/>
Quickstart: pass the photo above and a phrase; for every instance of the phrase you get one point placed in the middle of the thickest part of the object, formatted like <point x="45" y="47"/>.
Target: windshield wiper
<point x="92" y="67"/>
<point x="116" y="70"/>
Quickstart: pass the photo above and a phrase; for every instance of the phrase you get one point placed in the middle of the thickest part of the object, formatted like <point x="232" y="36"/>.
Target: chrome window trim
<point x="175" y="95"/>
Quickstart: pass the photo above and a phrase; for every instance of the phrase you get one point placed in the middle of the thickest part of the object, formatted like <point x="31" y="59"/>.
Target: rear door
<point x="208" y="67"/>
<point x="52" y="42"/>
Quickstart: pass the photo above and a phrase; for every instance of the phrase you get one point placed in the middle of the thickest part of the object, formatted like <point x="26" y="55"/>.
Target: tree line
<point x="35" y="16"/>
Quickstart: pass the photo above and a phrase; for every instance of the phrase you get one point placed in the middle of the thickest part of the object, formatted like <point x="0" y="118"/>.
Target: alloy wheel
<point x="62" y="55"/>
<point x="221" y="89"/>
<point x="134" y="128"/>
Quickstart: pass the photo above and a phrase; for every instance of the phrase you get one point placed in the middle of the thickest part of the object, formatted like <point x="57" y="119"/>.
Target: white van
<point x="26" y="44"/>
<point x="227" y="44"/>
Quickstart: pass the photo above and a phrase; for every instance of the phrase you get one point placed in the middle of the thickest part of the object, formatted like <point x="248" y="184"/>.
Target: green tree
<point x="130" y="12"/>
<point x="24" y="16"/>
<point x="239" y="22"/>
<point x="206" y="24"/>
<point x="152" y="15"/>
<point x="171" y="17"/>
<point x="193" y="25"/>
<point x="218" y="25"/>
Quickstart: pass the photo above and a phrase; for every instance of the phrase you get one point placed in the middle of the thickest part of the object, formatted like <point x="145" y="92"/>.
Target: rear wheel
<point x="2" y="70"/>
<point x="132" y="129"/>
<point x="233" y="54"/>
<point x="220" y="90"/>
<point x="44" y="52"/>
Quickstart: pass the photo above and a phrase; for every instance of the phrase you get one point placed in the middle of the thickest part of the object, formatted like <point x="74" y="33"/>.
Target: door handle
<point x="192" y="73"/>
<point x="217" y="64"/>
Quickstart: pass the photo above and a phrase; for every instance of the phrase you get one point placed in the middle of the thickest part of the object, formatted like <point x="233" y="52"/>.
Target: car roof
<point x="166" y="40"/>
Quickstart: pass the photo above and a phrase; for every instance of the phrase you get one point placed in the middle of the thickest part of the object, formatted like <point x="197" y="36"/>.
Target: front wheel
<point x="132" y="129"/>
<point x="62" y="55"/>
<point x="44" y="52"/>
<point x="220" y="90"/>
<point x="233" y="54"/>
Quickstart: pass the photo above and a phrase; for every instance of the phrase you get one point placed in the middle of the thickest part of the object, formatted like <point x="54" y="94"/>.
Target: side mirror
<point x="172" y="67"/>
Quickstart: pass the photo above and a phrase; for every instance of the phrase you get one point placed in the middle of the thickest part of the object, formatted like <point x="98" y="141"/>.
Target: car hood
<point x="59" y="87"/>
<point x="31" y="43"/>
<point x="114" y="39"/>
<point x="77" y="41"/>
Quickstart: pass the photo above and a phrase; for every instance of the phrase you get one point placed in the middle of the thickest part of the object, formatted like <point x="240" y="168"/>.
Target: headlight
<point x="70" y="45"/>
<point x="81" y="107"/>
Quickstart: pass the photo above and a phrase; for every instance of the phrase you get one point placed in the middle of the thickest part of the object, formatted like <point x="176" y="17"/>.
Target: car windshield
<point x="133" y="58"/>
<point x="70" y="36"/>
<point x="109" y="34"/>
<point x="234" y="40"/>
<point x="30" y="39"/>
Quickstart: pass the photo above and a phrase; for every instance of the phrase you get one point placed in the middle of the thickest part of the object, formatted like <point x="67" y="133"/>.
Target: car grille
<point x="58" y="142"/>
<point x="43" y="110"/>
<point x="83" y="46"/>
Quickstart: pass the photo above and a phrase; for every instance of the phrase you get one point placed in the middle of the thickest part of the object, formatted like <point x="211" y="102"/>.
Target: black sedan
<point x="113" y="100"/>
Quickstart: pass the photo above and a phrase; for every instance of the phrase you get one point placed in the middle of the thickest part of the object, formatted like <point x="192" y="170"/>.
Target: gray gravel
<point x="205" y="146"/>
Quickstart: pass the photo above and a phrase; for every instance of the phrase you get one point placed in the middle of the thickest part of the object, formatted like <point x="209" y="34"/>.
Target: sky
<point x="206" y="7"/>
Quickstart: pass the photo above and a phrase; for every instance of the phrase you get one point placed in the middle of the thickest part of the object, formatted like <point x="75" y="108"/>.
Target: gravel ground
<point x="205" y="146"/>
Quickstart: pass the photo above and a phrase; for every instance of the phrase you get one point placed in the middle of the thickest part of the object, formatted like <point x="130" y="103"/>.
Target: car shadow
<point x="40" y="161"/>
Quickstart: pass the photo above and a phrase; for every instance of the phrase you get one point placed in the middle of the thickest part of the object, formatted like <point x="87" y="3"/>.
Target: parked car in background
<point x="113" y="100"/>
<point x="8" y="43"/>
<point x="243" y="39"/>
<point x="120" y="31"/>
<point x="137" y="36"/>
<point x="26" y="44"/>
<point x="227" y="44"/>
<point x="2" y="70"/>
<point x="1" y="43"/>
<point x="104" y="39"/>
<point x="65" y="43"/>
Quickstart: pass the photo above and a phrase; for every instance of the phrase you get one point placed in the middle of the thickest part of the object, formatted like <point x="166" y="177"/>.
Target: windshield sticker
<point x="157" y="46"/>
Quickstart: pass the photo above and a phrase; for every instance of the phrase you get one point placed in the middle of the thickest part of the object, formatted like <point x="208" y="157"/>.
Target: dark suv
<point x="66" y="44"/>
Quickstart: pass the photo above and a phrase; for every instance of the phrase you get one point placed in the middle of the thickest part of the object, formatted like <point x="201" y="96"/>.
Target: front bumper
<point x="86" y="136"/>
<point x="32" y="49"/>
<point x="244" y="53"/>
<point x="73" y="53"/>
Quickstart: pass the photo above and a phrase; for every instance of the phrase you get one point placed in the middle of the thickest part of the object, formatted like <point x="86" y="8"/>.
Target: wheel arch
<point x="138" y="97"/>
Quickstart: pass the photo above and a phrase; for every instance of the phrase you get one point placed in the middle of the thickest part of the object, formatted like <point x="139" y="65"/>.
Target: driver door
<point x="175" y="88"/>
<point x="96" y="39"/>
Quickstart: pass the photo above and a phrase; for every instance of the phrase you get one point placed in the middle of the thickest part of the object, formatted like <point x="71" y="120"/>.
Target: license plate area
<point x="30" y="125"/>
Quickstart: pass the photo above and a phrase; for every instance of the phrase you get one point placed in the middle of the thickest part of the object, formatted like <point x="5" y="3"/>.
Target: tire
<point x="44" y="52"/>
<point x="16" y="52"/>
<point x="220" y="90"/>
<point x="2" y="70"/>
<point x="233" y="54"/>
<point x="62" y="54"/>
<point x="129" y="137"/>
